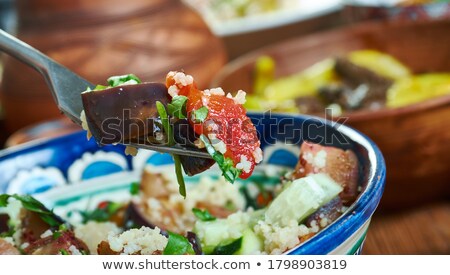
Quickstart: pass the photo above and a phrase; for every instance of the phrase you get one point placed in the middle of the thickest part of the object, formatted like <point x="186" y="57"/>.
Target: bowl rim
<point x="329" y="238"/>
<point x="317" y="38"/>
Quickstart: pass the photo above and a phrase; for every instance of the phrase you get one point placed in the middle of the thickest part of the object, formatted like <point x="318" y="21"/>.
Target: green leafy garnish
<point x="177" y="108"/>
<point x="33" y="205"/>
<point x="200" y="114"/>
<point x="134" y="188"/>
<point x="118" y="80"/>
<point x="102" y="213"/>
<point x="63" y="252"/>
<point x="178" y="245"/>
<point x="229" y="172"/>
<point x="228" y="249"/>
<point x="171" y="141"/>
<point x="203" y="215"/>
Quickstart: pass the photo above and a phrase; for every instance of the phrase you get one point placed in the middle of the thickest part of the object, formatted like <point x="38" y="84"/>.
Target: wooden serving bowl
<point x="415" y="140"/>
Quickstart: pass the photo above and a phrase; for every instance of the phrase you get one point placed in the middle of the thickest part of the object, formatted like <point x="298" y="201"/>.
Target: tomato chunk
<point x="227" y="126"/>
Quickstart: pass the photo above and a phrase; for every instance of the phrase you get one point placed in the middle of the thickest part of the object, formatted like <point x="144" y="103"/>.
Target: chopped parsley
<point x="203" y="215"/>
<point x="229" y="172"/>
<point x="168" y="129"/>
<point x="177" y="108"/>
<point x="63" y="252"/>
<point x="104" y="212"/>
<point x="134" y="188"/>
<point x="178" y="245"/>
<point x="200" y="114"/>
<point x="118" y="80"/>
<point x="33" y="205"/>
<point x="228" y="249"/>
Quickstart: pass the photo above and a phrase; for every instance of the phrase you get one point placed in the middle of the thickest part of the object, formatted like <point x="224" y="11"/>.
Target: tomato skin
<point x="226" y="119"/>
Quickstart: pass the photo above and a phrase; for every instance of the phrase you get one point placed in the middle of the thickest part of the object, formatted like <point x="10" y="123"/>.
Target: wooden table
<point x="421" y="230"/>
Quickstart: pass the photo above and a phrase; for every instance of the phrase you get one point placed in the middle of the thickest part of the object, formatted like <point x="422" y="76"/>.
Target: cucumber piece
<point x="251" y="243"/>
<point x="302" y="198"/>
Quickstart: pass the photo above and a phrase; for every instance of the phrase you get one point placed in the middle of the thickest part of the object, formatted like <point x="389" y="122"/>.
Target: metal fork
<point x="66" y="87"/>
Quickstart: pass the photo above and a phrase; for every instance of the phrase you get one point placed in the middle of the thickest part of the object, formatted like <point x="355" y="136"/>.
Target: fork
<point x="66" y="88"/>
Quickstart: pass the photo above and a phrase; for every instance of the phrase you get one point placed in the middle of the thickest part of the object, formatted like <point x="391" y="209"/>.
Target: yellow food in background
<point x="418" y="88"/>
<point x="280" y="94"/>
<point x="379" y="63"/>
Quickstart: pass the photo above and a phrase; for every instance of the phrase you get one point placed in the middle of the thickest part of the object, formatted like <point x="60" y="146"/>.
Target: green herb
<point x="33" y="205"/>
<point x="177" y="108"/>
<point x="179" y="173"/>
<point x="171" y="141"/>
<point x="115" y="81"/>
<point x="101" y="214"/>
<point x="178" y="245"/>
<point x="63" y="252"/>
<point x="203" y="215"/>
<point x="200" y="114"/>
<point x="134" y="188"/>
<point x="56" y="235"/>
<point x="229" y="172"/>
<point x="228" y="249"/>
<point x="165" y="122"/>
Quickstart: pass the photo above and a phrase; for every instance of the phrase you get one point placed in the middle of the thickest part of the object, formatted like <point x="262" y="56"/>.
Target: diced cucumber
<point x="223" y="231"/>
<point x="251" y="243"/>
<point x="302" y="198"/>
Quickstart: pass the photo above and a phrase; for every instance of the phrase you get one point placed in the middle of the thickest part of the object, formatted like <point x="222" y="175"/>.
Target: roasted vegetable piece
<point x="66" y="243"/>
<point x="340" y="165"/>
<point x="4" y="227"/>
<point x="326" y="214"/>
<point x="184" y="135"/>
<point x="124" y="113"/>
<point x="7" y="248"/>
<point x="223" y="120"/>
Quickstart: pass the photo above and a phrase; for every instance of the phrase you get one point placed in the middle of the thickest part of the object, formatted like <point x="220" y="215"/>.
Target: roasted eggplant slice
<point x="185" y="135"/>
<point x="4" y="227"/>
<point x="124" y="113"/>
<point x="64" y="244"/>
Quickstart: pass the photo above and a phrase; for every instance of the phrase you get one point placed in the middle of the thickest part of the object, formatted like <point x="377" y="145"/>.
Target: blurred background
<point x="383" y="64"/>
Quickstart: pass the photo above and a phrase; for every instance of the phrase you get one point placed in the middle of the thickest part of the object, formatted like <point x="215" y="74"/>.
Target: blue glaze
<point x="100" y="168"/>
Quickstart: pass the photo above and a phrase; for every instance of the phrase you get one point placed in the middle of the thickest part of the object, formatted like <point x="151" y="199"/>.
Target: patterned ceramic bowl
<point x="69" y="172"/>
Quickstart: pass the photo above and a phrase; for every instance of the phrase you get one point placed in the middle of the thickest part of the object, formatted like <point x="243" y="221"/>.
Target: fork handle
<point x="24" y="52"/>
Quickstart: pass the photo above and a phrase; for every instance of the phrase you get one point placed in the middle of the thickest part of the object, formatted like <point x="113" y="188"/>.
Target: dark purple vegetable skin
<point x="4" y="218"/>
<point x="332" y="210"/>
<point x="185" y="136"/>
<point x="124" y="113"/>
<point x="134" y="218"/>
<point x="195" y="242"/>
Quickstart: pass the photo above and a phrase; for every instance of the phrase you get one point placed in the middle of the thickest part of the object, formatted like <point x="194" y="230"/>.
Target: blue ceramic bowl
<point x="63" y="170"/>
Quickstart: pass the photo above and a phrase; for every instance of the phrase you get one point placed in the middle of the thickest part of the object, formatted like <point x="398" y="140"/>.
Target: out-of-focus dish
<point x="364" y="79"/>
<point x="108" y="188"/>
<point x="407" y="134"/>
<point x="227" y="18"/>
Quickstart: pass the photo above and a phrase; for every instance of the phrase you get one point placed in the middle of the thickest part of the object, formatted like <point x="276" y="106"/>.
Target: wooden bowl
<point x="415" y="140"/>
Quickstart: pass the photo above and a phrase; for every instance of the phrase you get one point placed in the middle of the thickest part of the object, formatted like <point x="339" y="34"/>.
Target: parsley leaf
<point x="63" y="252"/>
<point x="171" y="141"/>
<point x="134" y="188"/>
<point x="178" y="245"/>
<point x="200" y="114"/>
<point x="177" y="108"/>
<point x="118" y="80"/>
<point x="103" y="213"/>
<point x="228" y="249"/>
<point x="229" y="172"/>
<point x="203" y="215"/>
<point x="33" y="205"/>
